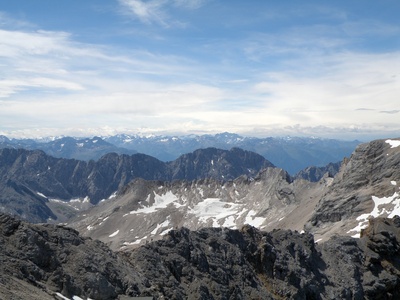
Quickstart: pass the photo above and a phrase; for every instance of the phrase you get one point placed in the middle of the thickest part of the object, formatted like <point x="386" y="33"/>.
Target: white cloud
<point x="52" y="84"/>
<point x="147" y="12"/>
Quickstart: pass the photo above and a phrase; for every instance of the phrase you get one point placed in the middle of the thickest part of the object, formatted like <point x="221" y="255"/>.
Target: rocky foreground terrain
<point x="55" y="262"/>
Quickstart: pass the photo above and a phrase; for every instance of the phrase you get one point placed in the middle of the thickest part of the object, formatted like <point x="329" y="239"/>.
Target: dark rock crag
<point x="212" y="263"/>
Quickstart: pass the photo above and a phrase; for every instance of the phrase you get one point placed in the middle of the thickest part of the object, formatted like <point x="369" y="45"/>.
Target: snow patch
<point x="393" y="143"/>
<point x="62" y="296"/>
<point x="252" y="220"/>
<point x="114" y="234"/>
<point x="160" y="201"/>
<point x="393" y="182"/>
<point x="41" y="195"/>
<point x="201" y="192"/>
<point x="214" y="208"/>
<point x="160" y="226"/>
<point x="386" y="206"/>
<point x="229" y="222"/>
<point x="137" y="242"/>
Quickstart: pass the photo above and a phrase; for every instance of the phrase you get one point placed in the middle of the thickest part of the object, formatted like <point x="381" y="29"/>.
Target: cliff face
<point x="43" y="261"/>
<point x="368" y="184"/>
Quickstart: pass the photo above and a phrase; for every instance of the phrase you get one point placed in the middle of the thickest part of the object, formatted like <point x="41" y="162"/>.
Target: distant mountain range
<point x="292" y="154"/>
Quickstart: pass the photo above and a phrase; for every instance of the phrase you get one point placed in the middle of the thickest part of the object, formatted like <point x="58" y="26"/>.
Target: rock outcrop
<point x="44" y="261"/>
<point x="315" y="174"/>
<point x="372" y="172"/>
<point x="55" y="259"/>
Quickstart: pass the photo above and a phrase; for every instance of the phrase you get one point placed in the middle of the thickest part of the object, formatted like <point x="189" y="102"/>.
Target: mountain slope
<point x="367" y="185"/>
<point x="147" y="210"/>
<point x="31" y="182"/>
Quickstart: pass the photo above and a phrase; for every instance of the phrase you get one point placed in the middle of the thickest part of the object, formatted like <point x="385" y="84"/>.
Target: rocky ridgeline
<point x="28" y="179"/>
<point x="49" y="261"/>
<point x="291" y="153"/>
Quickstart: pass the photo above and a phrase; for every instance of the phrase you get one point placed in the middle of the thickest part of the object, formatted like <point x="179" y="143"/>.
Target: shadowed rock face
<point x="315" y="174"/>
<point x="212" y="263"/>
<point x="56" y="259"/>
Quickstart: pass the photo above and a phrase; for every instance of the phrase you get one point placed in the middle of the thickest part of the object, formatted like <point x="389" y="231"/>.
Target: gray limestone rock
<point x="211" y="263"/>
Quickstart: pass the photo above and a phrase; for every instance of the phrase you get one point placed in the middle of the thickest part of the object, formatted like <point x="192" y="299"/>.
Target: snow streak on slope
<point x="384" y="207"/>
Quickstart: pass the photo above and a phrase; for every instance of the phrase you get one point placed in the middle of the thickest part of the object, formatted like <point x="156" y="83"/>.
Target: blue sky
<point x="257" y="68"/>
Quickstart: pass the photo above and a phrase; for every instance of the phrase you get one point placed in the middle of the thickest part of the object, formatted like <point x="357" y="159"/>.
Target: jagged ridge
<point x="211" y="263"/>
<point x="29" y="178"/>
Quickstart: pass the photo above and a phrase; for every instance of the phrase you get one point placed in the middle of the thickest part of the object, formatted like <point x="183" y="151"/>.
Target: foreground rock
<point x="53" y="259"/>
<point x="45" y="261"/>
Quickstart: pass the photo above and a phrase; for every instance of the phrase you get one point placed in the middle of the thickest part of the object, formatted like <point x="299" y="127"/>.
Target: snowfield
<point x="160" y="202"/>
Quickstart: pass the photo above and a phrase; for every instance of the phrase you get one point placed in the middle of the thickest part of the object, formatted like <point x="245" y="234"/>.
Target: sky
<point x="257" y="68"/>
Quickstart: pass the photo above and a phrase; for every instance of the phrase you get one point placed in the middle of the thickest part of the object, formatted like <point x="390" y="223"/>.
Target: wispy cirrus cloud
<point x="147" y="12"/>
<point x="157" y="11"/>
